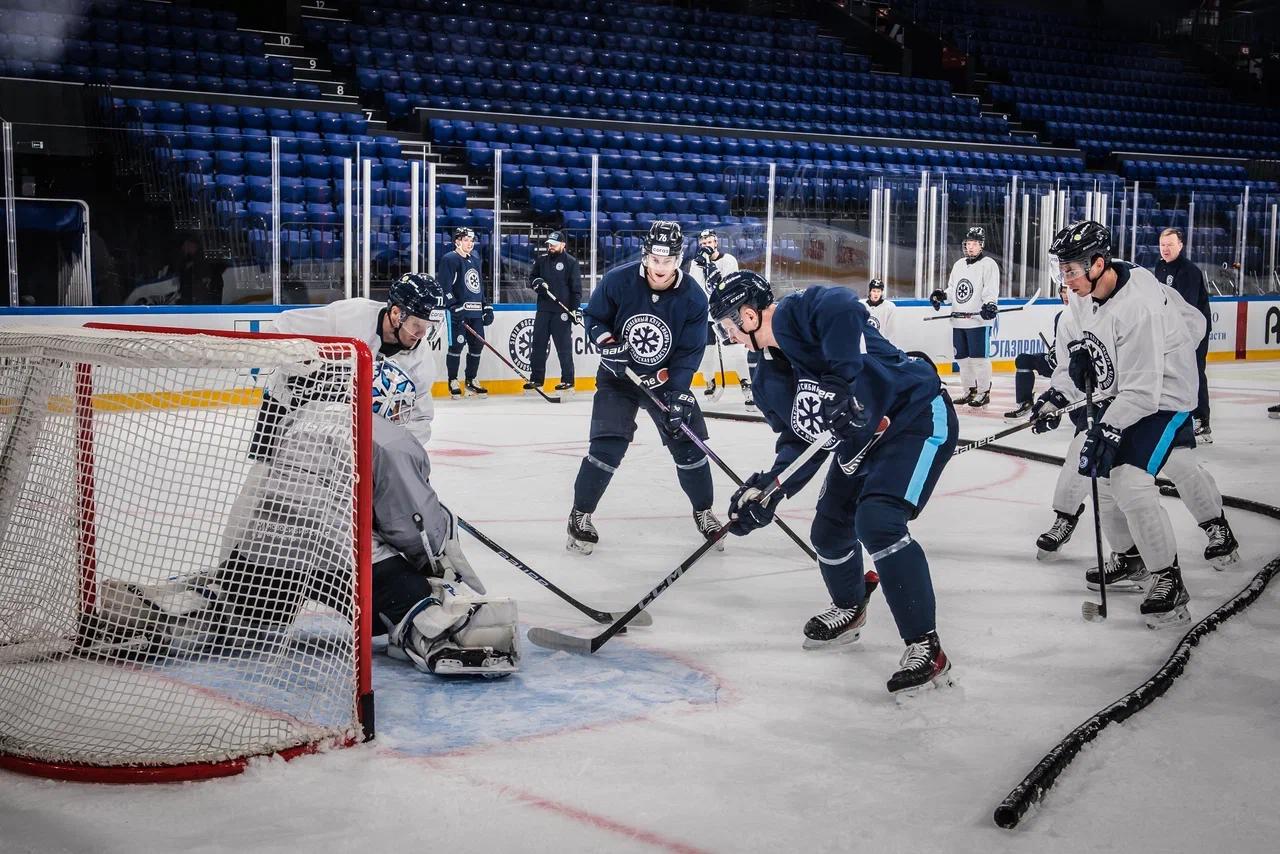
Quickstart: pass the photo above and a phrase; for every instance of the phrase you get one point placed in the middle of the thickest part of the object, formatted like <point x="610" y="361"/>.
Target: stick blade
<point x="551" y="639"/>
<point x="641" y="619"/>
<point x="1092" y="611"/>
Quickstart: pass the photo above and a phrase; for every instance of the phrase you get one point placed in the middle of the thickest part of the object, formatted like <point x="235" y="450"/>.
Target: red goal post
<point x="169" y="607"/>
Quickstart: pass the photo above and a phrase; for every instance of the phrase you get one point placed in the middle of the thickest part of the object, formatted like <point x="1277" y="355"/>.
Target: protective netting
<point x="178" y="570"/>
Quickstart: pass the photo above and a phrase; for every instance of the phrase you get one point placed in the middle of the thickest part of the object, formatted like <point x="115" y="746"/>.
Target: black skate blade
<point x="1092" y="611"/>
<point x="551" y="639"/>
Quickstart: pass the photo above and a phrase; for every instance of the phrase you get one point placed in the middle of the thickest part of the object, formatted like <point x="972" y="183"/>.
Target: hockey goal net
<point x="184" y="583"/>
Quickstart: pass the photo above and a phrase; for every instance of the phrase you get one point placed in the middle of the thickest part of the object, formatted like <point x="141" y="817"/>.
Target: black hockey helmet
<point x="978" y="233"/>
<point x="742" y="288"/>
<point x="875" y="285"/>
<point x="1081" y="241"/>
<point x="417" y="295"/>
<point x="707" y="232"/>
<point x="461" y="232"/>
<point x="665" y="238"/>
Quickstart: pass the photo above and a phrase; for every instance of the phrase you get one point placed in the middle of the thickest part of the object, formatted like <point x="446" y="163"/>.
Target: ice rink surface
<point x="713" y="731"/>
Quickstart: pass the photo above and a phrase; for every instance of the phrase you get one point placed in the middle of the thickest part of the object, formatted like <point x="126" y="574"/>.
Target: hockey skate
<point x="1204" y="435"/>
<point x="565" y="389"/>
<point x="713" y="390"/>
<point x="1020" y="410"/>
<point x="476" y="389"/>
<point x="980" y="401"/>
<point x="923" y="664"/>
<point x="1273" y="411"/>
<point x="582" y="534"/>
<point x="966" y="398"/>
<point x="1059" y="532"/>
<point x="708" y="526"/>
<point x="1166" y="604"/>
<point x="1223" y="550"/>
<point x="1126" y="573"/>
<point x="455" y="390"/>
<point x="531" y="388"/>
<point x="834" y="627"/>
<point x="747" y="400"/>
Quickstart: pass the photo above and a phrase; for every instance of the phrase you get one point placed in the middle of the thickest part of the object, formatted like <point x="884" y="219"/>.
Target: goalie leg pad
<point x="449" y="634"/>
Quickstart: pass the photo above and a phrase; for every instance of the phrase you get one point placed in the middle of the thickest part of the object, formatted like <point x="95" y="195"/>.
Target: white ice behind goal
<point x="170" y="607"/>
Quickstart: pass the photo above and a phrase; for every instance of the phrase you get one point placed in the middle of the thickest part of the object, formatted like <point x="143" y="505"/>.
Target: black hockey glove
<point x="989" y="311"/>
<point x="486" y="316"/>
<point x="1080" y="368"/>
<point x="1098" y="453"/>
<point x="843" y="415"/>
<point x="540" y="285"/>
<point x="1044" y="415"/>
<point x="614" y="356"/>
<point x="681" y="406"/>
<point x="747" y="512"/>
<point x="937" y="298"/>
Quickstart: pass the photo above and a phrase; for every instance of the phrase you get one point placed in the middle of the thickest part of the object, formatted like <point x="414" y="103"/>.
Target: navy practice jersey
<point x="666" y="329"/>
<point x="825" y="330"/>
<point x="460" y="279"/>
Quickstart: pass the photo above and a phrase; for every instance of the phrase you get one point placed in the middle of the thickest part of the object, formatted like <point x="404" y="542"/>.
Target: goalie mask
<point x="393" y="393"/>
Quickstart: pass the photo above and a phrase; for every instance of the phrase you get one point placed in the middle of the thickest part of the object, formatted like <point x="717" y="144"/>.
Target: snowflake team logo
<point x="806" y="414"/>
<point x="394" y="392"/>
<point x="964" y="290"/>
<point x="520" y="344"/>
<point x="472" y="279"/>
<point x="649" y="337"/>
<point x="1103" y="368"/>
<point x="873" y="322"/>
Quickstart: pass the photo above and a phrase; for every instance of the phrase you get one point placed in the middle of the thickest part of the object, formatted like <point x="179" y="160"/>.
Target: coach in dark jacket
<point x="558" y="284"/>
<point x="1175" y="270"/>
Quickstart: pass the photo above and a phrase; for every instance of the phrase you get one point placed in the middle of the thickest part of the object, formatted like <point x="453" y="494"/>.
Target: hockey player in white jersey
<point x="707" y="267"/>
<point x="880" y="309"/>
<point x="973" y="289"/>
<point x="1132" y="342"/>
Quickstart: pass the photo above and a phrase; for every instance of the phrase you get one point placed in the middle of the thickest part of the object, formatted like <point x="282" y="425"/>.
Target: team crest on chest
<point x="806" y="414"/>
<point x="473" y="280"/>
<point x="873" y="322"/>
<point x="964" y="290"/>
<point x="649" y="338"/>
<point x="1103" y="367"/>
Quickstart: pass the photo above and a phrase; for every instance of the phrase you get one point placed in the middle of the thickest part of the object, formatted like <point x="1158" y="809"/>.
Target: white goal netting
<point x="180" y="565"/>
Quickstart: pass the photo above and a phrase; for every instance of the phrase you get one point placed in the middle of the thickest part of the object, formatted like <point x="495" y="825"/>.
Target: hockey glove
<point x="680" y="409"/>
<point x="577" y="317"/>
<point x="937" y="298"/>
<point x="1044" y="414"/>
<point x="614" y="356"/>
<point x="1081" y="368"/>
<point x="448" y="562"/>
<point x="486" y="316"/>
<point x="989" y="311"/>
<point x="843" y="415"/>
<point x="747" y="512"/>
<point x="540" y="285"/>
<point x="1098" y="453"/>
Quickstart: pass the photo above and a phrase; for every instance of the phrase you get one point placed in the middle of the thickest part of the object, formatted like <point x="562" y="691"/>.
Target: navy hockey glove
<point x="989" y="311"/>
<point x="681" y="406"/>
<point x="486" y="316"/>
<point x="937" y="298"/>
<point x="1098" y="453"/>
<point x="843" y="415"/>
<point x="614" y="356"/>
<point x="540" y="285"/>
<point x="747" y="512"/>
<point x="1044" y="415"/>
<point x="1080" y="368"/>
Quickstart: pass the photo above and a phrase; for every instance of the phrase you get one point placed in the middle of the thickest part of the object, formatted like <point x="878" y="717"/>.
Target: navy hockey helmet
<point x="730" y="294"/>
<point x="461" y="232"/>
<point x="1081" y="241"/>
<point x="417" y="295"/>
<point x="665" y="238"/>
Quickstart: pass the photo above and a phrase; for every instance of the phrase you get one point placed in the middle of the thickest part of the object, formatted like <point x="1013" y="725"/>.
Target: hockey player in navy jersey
<point x="825" y="368"/>
<point x="652" y="318"/>
<point x="459" y="275"/>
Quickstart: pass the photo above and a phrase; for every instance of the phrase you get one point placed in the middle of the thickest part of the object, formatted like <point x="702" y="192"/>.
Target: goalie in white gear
<point x="291" y="539"/>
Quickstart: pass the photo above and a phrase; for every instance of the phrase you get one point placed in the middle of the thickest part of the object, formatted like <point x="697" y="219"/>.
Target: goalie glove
<point x="448" y="562"/>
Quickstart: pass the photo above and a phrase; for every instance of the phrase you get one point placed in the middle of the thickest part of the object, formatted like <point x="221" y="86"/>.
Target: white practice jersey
<point x="1143" y="342"/>
<point x="881" y="317"/>
<point x="970" y="287"/>
<point x="358" y="318"/>
<point x="726" y="264"/>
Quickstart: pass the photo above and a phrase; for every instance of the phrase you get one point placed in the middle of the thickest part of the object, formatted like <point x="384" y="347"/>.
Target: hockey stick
<point x="1017" y="428"/>
<point x="598" y="616"/>
<point x="1095" y="611"/>
<point x="549" y="398"/>
<point x="558" y="640"/>
<point x="964" y="314"/>
<point x="706" y="449"/>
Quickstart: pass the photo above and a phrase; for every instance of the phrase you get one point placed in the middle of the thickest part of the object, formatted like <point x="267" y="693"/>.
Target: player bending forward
<point x="650" y="317"/>
<point x="825" y="368"/>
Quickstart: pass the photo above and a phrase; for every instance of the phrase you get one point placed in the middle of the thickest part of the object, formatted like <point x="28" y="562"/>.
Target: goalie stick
<point x="706" y="449"/>
<point x="593" y="613"/>
<point x="964" y="314"/>
<point x="552" y="639"/>
<point x="549" y="398"/>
